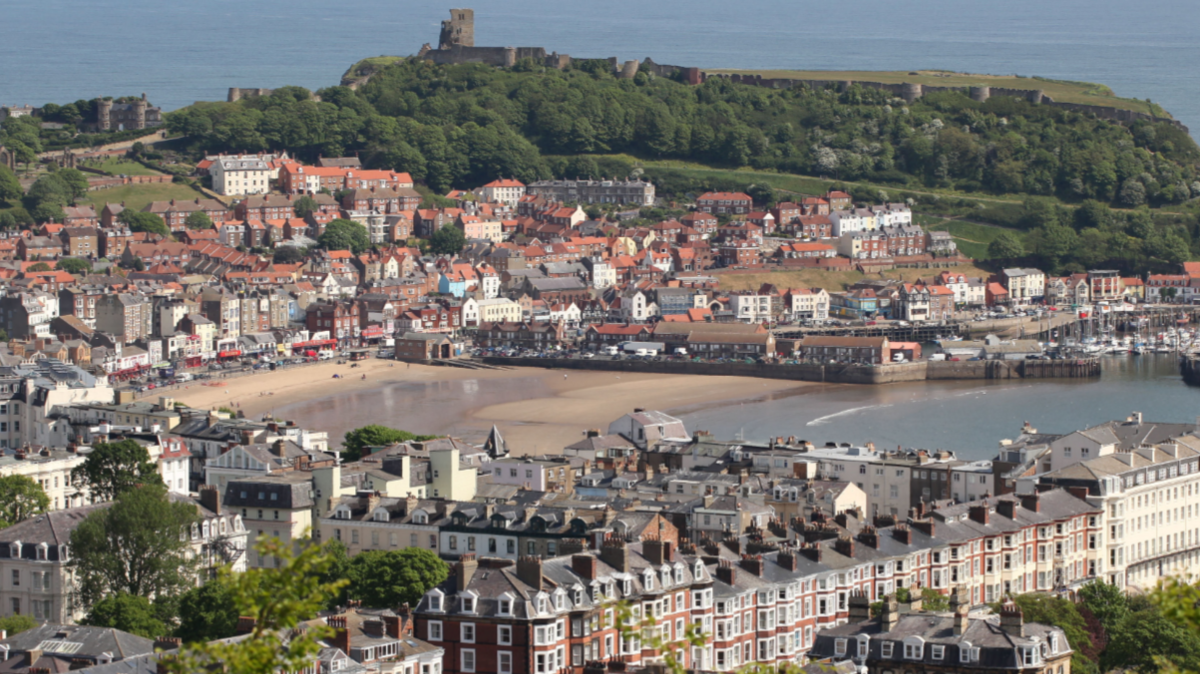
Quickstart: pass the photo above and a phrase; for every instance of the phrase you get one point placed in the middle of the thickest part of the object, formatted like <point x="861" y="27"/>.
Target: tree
<point x="448" y="240"/>
<point x="375" y="435"/>
<point x="138" y="545"/>
<point x="127" y="612"/>
<point x="207" y="612"/>
<point x="1146" y="640"/>
<point x="1106" y="601"/>
<point x="48" y="189"/>
<point x="388" y="578"/>
<point x="7" y="220"/>
<point x="289" y="254"/>
<point x="141" y="221"/>
<point x="278" y="600"/>
<point x="198" y="220"/>
<point x="1006" y="246"/>
<point x="343" y="234"/>
<point x="47" y="212"/>
<point x="20" y="499"/>
<point x="15" y="624"/>
<point x="112" y="468"/>
<point x="1043" y="608"/>
<point x="38" y="266"/>
<point x="304" y="206"/>
<point x="932" y="600"/>
<point x="75" y="265"/>
<point x="10" y="187"/>
<point x="75" y="182"/>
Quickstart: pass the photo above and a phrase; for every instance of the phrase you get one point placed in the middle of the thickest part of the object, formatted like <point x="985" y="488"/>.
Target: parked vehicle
<point x="184" y="376"/>
<point x="326" y="355"/>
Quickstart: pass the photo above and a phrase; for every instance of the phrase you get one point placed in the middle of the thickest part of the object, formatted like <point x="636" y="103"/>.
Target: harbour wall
<point x="830" y="374"/>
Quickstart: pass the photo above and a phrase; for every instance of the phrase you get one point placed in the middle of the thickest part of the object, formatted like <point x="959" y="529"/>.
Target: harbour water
<point x="968" y="417"/>
<point x="179" y="52"/>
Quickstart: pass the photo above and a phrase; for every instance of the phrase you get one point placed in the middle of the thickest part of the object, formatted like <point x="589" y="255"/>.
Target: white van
<point x="610" y="351"/>
<point x="184" y="376"/>
<point x="325" y="355"/>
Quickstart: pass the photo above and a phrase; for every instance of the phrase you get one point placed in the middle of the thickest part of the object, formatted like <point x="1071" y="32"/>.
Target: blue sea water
<point x="180" y="51"/>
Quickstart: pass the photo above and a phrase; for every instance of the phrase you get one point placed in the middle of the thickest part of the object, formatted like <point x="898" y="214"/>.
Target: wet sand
<point x="538" y="411"/>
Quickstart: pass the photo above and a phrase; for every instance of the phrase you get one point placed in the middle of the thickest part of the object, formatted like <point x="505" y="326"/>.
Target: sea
<point x="969" y="418"/>
<point x="181" y="51"/>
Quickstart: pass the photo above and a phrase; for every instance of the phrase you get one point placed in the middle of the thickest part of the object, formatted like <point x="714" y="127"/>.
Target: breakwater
<point x="1189" y="367"/>
<point x="833" y="374"/>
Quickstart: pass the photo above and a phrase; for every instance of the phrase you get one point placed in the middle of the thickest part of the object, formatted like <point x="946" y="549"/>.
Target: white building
<point x="750" y="307"/>
<point x="505" y="191"/>
<point x="499" y="310"/>
<point x="1150" y="497"/>
<point x="856" y="220"/>
<point x="34" y="398"/>
<point x="238" y="175"/>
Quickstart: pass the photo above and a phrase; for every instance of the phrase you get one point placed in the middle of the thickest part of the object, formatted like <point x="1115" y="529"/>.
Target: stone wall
<point x="238" y="93"/>
<point x="831" y="374"/>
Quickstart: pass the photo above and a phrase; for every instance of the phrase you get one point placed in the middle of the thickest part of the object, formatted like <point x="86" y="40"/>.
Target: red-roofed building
<point x="839" y="201"/>
<point x="729" y="203"/>
<point x="505" y="191"/>
<point x="704" y="223"/>
<point x="616" y="333"/>
<point x="805" y="249"/>
<point x="995" y="294"/>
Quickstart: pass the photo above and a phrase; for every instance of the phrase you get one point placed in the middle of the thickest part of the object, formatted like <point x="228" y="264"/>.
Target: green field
<point x="138" y="196"/>
<point x="973" y="238"/>
<point x="1061" y="91"/>
<point x="116" y="166"/>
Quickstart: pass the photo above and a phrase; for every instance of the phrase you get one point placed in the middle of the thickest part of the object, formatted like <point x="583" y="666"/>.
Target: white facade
<point x="499" y="310"/>
<point x="240" y="175"/>
<point x="750" y="307"/>
<point x="503" y="191"/>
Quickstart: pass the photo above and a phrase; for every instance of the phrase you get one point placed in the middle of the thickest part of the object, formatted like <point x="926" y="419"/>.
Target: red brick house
<point x="725" y="203"/>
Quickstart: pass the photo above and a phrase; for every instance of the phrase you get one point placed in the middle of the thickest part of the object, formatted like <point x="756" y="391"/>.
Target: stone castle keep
<point x="456" y="44"/>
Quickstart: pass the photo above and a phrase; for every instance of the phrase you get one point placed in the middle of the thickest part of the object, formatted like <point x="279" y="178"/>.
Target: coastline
<point x="537" y="410"/>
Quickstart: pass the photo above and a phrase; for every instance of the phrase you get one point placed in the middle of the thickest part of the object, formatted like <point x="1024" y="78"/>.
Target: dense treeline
<point x="460" y="125"/>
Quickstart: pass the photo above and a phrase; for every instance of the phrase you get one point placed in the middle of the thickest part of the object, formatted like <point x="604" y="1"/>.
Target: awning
<point x="373" y="331"/>
<point x="312" y="343"/>
<point x="228" y="354"/>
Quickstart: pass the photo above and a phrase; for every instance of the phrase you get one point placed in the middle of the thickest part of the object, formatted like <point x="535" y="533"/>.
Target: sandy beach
<point x="537" y="410"/>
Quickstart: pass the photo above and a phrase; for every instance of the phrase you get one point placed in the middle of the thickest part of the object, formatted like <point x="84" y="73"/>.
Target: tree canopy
<point x="304" y="206"/>
<point x="389" y="578"/>
<point x="207" y="612"/>
<point x="134" y="546"/>
<point x="278" y="600"/>
<point x="343" y="234"/>
<point x="375" y="435"/>
<point x="20" y="499"/>
<point x="448" y="240"/>
<point x="130" y="613"/>
<point x="141" y="221"/>
<point x="462" y="125"/>
<point x="289" y="254"/>
<point x="198" y="220"/>
<point x="112" y="468"/>
<point x="75" y="265"/>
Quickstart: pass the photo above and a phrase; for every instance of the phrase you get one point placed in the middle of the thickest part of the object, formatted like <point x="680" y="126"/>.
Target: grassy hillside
<point x="829" y="280"/>
<point x="1063" y="91"/>
<point x="136" y="197"/>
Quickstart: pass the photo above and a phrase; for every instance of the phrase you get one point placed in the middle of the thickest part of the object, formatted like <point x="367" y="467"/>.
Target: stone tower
<point x="459" y="30"/>
<point x="139" y="111"/>
<point x="103" y="114"/>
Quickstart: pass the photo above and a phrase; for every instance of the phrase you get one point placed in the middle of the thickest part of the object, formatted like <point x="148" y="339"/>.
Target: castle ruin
<point x="124" y="116"/>
<point x="458" y="30"/>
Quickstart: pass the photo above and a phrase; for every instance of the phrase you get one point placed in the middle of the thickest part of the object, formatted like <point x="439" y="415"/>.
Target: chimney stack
<point x="753" y="564"/>
<point x="1012" y="620"/>
<point x="615" y="553"/>
<point x="889" y="615"/>
<point x="465" y="569"/>
<point x="979" y="512"/>
<point x="210" y="498"/>
<point x="529" y="570"/>
<point x="1030" y="502"/>
<point x="725" y="572"/>
<point x="585" y="566"/>
<point x="860" y="607"/>
<point x="1006" y="507"/>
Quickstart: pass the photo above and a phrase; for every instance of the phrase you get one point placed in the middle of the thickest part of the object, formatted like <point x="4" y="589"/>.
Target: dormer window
<point x="420" y="518"/>
<point x="382" y="515"/>
<point x="678" y="574"/>
<point x="578" y="597"/>
<point x="14" y="550"/>
<point x="560" y="600"/>
<point x="698" y="571"/>
<point x="626" y="587"/>
<point x="543" y="605"/>
<point x="468" y="604"/>
<point x="435" y="601"/>
<point x="648" y="581"/>
<point x="506" y="605"/>
<point x="343" y="514"/>
<point x="42" y="551"/>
